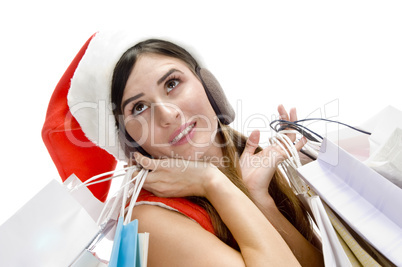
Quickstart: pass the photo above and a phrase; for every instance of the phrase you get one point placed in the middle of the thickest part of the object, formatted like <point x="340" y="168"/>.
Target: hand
<point x="172" y="177"/>
<point x="259" y="168"/>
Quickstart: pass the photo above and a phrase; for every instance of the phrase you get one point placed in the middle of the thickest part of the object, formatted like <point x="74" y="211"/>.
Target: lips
<point x="181" y="134"/>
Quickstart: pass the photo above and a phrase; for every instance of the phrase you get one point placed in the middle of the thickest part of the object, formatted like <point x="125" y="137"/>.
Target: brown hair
<point x="234" y="143"/>
<point x="279" y="188"/>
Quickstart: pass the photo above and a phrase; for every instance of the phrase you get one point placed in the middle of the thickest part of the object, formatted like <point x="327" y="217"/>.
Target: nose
<point x="166" y="114"/>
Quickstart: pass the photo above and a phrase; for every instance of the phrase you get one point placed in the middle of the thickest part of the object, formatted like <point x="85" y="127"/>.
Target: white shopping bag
<point x="382" y="150"/>
<point x="387" y="159"/>
<point x="366" y="201"/>
<point x="91" y="204"/>
<point x="105" y="213"/>
<point x="382" y="126"/>
<point x="61" y="225"/>
<point x="334" y="254"/>
<point x="88" y="259"/>
<point x="52" y="229"/>
<point x="84" y="196"/>
<point x="362" y="146"/>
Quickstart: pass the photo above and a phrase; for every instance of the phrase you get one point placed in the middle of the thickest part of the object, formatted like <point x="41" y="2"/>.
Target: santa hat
<point x="79" y="130"/>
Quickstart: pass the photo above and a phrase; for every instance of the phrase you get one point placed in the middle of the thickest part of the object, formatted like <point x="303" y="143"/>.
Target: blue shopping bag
<point x="125" y="251"/>
<point x="127" y="248"/>
<point x="129" y="252"/>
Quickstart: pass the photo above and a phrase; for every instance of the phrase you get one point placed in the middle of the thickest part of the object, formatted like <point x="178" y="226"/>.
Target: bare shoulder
<point x="176" y="240"/>
<point x="156" y="220"/>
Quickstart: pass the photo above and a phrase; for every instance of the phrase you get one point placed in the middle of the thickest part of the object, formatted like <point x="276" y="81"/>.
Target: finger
<point x="251" y="144"/>
<point x="283" y="115"/>
<point x="299" y="145"/>
<point x="145" y="162"/>
<point x="293" y="114"/>
<point x="293" y="117"/>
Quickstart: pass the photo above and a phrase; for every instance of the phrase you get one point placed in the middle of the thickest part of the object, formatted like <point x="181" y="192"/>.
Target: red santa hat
<point x="79" y="130"/>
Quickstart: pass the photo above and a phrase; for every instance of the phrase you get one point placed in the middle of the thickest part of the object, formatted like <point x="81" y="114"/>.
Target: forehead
<point x="155" y="63"/>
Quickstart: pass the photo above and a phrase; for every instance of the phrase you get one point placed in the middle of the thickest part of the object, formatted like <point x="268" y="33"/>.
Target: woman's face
<point x="167" y="112"/>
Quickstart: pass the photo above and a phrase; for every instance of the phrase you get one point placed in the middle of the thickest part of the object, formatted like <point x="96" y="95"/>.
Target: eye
<point x="171" y="84"/>
<point x="139" y="108"/>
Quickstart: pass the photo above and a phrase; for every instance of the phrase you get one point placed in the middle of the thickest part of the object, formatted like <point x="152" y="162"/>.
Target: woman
<point x="166" y="121"/>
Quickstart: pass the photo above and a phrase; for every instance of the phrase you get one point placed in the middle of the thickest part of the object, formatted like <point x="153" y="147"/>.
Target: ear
<point x="216" y="96"/>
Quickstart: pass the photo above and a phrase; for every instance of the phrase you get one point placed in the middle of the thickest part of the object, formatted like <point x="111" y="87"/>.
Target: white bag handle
<point x="139" y="182"/>
<point x="116" y="197"/>
<point x="104" y="220"/>
<point x="124" y="188"/>
<point x="292" y="160"/>
<point x="92" y="180"/>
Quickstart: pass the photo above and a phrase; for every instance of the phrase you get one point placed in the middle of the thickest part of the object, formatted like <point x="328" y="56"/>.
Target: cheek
<point x="196" y="102"/>
<point x="138" y="129"/>
<point x="207" y="123"/>
<point x="150" y="138"/>
<point x="203" y="110"/>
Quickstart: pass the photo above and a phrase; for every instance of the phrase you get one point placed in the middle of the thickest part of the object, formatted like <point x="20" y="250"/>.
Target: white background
<point x="345" y="55"/>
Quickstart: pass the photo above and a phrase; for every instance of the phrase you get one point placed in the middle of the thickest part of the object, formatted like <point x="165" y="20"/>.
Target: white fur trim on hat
<point x="89" y="95"/>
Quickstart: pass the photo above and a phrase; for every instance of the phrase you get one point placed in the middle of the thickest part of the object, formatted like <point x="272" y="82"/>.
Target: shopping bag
<point x="387" y="158"/>
<point x="58" y="224"/>
<point x="126" y="245"/>
<point x="84" y="196"/>
<point x="381" y="126"/>
<point x="334" y="254"/>
<point x="382" y="149"/>
<point x="338" y="245"/>
<point x="50" y="230"/>
<point x="102" y="213"/>
<point x="366" y="201"/>
<point x="357" y="254"/>
<point x="88" y="259"/>
<point x="106" y="217"/>
<point x="127" y="249"/>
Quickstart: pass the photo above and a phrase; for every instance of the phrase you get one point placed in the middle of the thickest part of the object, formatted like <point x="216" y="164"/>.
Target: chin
<point x="187" y="151"/>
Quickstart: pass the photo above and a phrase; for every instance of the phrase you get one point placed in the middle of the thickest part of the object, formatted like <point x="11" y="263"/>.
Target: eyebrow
<point x="167" y="75"/>
<point x="131" y="99"/>
<point x="158" y="82"/>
